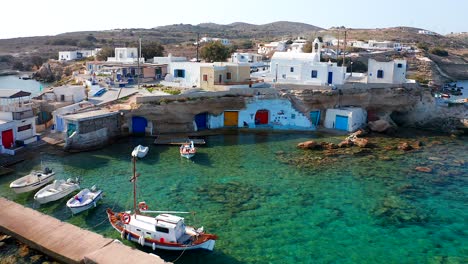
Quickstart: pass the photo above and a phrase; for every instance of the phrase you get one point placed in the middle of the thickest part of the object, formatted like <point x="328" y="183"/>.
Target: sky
<point x="22" y="18"/>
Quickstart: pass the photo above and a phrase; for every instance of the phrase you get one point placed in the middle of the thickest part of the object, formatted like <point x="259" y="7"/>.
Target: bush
<point x="439" y="52"/>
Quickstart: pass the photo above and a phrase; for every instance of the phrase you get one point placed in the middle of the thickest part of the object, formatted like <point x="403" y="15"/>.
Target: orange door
<point x="231" y="118"/>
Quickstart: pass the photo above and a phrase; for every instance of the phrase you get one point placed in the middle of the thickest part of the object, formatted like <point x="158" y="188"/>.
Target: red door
<point x="261" y="117"/>
<point x="7" y="138"/>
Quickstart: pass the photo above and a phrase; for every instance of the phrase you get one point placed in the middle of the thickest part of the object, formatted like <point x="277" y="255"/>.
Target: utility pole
<point x="139" y="56"/>
<point x="198" y="43"/>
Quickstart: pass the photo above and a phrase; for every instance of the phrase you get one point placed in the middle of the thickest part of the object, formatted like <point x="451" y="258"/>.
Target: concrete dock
<point x="62" y="241"/>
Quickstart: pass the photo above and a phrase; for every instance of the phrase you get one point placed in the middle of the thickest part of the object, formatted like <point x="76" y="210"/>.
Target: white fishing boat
<point x="57" y="190"/>
<point x="165" y="231"/>
<point x="187" y="150"/>
<point x="84" y="200"/>
<point x="32" y="181"/>
<point x="140" y="151"/>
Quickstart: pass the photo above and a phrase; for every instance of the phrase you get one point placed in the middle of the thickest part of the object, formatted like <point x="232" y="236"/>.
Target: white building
<point x="297" y="45"/>
<point x="272" y="46"/>
<point x="17" y="120"/>
<point x="348" y="119"/>
<point x="393" y="72"/>
<point x="126" y="55"/>
<point x="184" y="74"/>
<point x="254" y="60"/>
<point x="305" y="68"/>
<point x="168" y="59"/>
<point x="66" y="93"/>
<point x="225" y="42"/>
<point x="426" y="32"/>
<point x="77" y="54"/>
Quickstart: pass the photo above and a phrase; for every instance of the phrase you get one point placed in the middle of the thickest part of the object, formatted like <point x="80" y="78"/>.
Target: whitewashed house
<point x="297" y="45"/>
<point x="347" y="119"/>
<point x="77" y="54"/>
<point x="305" y="68"/>
<point x="223" y="41"/>
<point x="66" y="93"/>
<point x="393" y="72"/>
<point x="126" y="55"/>
<point x="17" y="120"/>
<point x="168" y="59"/>
<point x="270" y="47"/>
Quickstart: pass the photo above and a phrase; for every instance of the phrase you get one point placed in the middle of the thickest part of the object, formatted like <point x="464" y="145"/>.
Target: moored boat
<point x="57" y="190"/>
<point x="32" y="181"/>
<point x="84" y="200"/>
<point x="187" y="150"/>
<point x="140" y="151"/>
<point x="165" y="231"/>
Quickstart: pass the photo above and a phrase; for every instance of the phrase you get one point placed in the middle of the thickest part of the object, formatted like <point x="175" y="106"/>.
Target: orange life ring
<point x="126" y="218"/>
<point x="143" y="206"/>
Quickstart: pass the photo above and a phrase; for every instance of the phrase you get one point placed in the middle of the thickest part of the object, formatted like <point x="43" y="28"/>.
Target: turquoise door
<point x="341" y="122"/>
<point x="315" y="117"/>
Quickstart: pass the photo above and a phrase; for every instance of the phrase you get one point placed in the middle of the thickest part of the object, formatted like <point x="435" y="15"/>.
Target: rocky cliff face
<point x="178" y="116"/>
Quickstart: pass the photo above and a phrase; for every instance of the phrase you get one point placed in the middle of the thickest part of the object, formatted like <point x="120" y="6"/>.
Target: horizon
<point x="417" y="14"/>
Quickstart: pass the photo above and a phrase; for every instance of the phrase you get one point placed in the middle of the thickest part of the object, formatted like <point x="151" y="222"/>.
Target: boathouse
<point x="91" y="129"/>
<point x="347" y="119"/>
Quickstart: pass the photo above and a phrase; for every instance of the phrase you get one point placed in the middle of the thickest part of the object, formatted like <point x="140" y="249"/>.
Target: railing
<point x="16" y="107"/>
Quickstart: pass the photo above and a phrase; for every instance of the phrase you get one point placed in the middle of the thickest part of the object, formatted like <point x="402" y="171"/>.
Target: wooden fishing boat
<point x="187" y="150"/>
<point x="165" y="231"/>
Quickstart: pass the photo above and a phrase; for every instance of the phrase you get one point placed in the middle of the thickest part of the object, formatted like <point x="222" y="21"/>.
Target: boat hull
<point x="78" y="208"/>
<point x="44" y="198"/>
<point x="21" y="186"/>
<point x="205" y="241"/>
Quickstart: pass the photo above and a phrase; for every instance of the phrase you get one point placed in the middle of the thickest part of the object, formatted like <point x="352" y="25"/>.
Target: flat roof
<point x="13" y="93"/>
<point x="90" y="115"/>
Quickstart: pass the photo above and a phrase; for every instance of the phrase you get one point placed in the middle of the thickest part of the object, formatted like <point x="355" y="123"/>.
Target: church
<point x="305" y="68"/>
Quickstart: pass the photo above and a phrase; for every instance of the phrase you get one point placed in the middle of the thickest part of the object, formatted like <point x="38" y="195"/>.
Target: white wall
<point x="67" y="55"/>
<point x="391" y="72"/>
<point x="356" y="117"/>
<point x="216" y="121"/>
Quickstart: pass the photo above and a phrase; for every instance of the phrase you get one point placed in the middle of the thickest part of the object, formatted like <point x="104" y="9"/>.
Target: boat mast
<point x="134" y="178"/>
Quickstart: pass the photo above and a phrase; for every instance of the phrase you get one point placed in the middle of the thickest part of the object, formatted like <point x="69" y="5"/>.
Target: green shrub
<point x="439" y="52"/>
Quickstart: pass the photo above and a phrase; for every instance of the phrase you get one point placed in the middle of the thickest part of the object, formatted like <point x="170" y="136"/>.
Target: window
<point x="179" y="73"/>
<point x="291" y="69"/>
<point x="399" y="65"/>
<point x="380" y="74"/>
<point x="23" y="128"/>
<point x="162" y="229"/>
<point x="313" y="74"/>
<point x="205" y="77"/>
<point x="228" y="76"/>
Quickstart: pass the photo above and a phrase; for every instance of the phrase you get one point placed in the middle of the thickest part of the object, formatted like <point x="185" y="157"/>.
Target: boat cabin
<point x="164" y="228"/>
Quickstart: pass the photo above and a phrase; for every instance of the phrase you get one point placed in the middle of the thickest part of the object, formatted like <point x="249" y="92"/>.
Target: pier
<point x="62" y="241"/>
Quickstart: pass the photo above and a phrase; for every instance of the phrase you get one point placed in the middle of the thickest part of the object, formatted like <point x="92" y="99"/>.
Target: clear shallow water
<point x="358" y="209"/>
<point x="14" y="82"/>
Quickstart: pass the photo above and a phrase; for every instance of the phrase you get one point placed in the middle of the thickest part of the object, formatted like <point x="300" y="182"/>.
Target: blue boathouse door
<point x="202" y="121"/>
<point x="330" y="77"/>
<point x="341" y="122"/>
<point x="139" y="125"/>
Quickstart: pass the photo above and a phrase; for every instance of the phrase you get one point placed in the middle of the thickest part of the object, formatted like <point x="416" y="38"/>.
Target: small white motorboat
<point x="32" y="181"/>
<point x="84" y="200"/>
<point x="57" y="190"/>
<point x="187" y="150"/>
<point x="140" y="151"/>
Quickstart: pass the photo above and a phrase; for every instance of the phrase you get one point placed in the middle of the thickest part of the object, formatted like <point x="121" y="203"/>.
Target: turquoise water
<point x="14" y="82"/>
<point x="272" y="203"/>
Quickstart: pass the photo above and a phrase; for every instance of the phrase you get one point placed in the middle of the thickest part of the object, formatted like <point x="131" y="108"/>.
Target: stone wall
<point x="111" y="123"/>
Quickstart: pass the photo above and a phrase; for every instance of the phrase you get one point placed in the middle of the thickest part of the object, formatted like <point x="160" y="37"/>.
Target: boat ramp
<point x="63" y="241"/>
